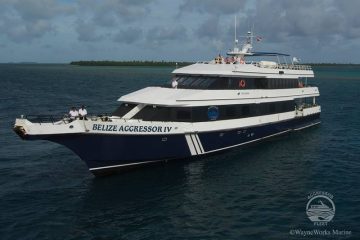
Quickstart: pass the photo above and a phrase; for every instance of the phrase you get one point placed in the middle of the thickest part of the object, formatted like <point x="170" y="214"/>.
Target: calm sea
<point x="259" y="192"/>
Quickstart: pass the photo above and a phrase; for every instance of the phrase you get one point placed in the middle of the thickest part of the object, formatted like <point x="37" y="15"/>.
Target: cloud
<point x="40" y="9"/>
<point x="106" y="15"/>
<point x="87" y="32"/>
<point x="23" y="21"/>
<point x="280" y="19"/>
<point x="330" y="26"/>
<point x="210" y="28"/>
<point x="213" y="6"/>
<point x="129" y="35"/>
<point x="322" y="19"/>
<point x="159" y="35"/>
<point x="284" y="25"/>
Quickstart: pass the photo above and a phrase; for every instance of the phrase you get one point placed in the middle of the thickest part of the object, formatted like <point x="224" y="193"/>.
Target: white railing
<point x="283" y="66"/>
<point x="274" y="66"/>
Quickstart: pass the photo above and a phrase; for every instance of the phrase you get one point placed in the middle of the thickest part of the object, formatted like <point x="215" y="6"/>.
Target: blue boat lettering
<point x="105" y="128"/>
<point x="114" y="128"/>
<point x="168" y="129"/>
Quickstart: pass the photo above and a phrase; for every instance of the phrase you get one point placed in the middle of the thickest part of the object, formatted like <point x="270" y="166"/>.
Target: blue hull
<point x="105" y="153"/>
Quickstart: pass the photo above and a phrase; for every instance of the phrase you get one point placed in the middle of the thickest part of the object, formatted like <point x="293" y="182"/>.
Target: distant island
<point x="331" y="64"/>
<point x="173" y="63"/>
<point x="130" y="63"/>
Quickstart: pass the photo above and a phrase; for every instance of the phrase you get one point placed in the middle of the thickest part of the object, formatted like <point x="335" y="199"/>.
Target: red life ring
<point x="242" y="83"/>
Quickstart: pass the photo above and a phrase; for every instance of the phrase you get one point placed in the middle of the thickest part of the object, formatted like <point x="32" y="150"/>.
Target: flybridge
<point x="238" y="55"/>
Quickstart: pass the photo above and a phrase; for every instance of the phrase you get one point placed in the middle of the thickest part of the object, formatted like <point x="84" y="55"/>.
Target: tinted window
<point x="212" y="82"/>
<point x="123" y="109"/>
<point x="200" y="114"/>
<point x="183" y="114"/>
<point x="230" y="111"/>
<point x="151" y="113"/>
<point x="245" y="111"/>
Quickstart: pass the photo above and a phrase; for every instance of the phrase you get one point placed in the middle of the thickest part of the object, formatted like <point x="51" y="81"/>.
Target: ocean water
<point x="258" y="192"/>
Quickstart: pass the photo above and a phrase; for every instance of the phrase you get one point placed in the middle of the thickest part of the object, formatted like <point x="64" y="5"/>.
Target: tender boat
<point x="207" y="107"/>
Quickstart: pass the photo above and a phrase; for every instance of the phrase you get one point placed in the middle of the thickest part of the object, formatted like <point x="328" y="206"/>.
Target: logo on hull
<point x="213" y="113"/>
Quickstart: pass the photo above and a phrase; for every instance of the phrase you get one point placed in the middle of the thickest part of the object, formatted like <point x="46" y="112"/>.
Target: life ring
<point x="242" y="83"/>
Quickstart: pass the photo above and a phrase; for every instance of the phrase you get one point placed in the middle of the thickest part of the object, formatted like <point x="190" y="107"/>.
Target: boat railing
<point x="63" y="119"/>
<point x="273" y="66"/>
<point x="311" y="85"/>
<point x="41" y="118"/>
<point x="283" y="66"/>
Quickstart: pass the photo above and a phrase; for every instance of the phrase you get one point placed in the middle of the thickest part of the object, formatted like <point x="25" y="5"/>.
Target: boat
<point x="207" y="107"/>
<point x="321" y="205"/>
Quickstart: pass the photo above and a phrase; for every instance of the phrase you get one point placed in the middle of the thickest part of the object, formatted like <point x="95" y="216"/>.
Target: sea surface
<point x="258" y="192"/>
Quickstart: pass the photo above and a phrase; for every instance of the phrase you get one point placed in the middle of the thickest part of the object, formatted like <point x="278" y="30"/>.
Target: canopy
<point x="255" y="54"/>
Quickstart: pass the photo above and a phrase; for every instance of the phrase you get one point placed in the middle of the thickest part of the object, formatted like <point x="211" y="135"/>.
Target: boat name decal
<point x="116" y="128"/>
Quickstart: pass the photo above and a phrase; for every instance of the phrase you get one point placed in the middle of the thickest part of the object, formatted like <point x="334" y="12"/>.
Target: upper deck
<point x="262" y="69"/>
<point x="236" y="64"/>
<point x="197" y="97"/>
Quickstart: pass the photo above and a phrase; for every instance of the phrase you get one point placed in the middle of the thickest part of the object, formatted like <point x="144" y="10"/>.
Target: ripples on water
<point x="258" y="192"/>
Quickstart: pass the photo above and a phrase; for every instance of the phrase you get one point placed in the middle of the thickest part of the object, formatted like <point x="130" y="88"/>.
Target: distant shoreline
<point x="130" y="63"/>
<point x="155" y="63"/>
<point x="173" y="63"/>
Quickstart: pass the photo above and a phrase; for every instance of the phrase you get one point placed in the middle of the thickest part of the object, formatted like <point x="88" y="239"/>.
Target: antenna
<point x="252" y="33"/>
<point x="235" y="31"/>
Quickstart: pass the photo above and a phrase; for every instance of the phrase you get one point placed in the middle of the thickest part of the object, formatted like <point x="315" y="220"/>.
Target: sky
<point x="61" y="31"/>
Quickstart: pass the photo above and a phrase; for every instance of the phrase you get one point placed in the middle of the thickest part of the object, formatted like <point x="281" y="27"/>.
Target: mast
<point x="235" y="31"/>
<point x="246" y="47"/>
<point x="235" y="38"/>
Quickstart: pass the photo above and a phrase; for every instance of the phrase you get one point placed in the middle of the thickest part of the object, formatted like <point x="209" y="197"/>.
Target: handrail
<point x="43" y="118"/>
<point x="284" y="66"/>
<point x="275" y="66"/>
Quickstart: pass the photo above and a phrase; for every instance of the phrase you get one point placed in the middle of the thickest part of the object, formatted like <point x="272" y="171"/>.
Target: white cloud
<point x="23" y="21"/>
<point x="192" y="28"/>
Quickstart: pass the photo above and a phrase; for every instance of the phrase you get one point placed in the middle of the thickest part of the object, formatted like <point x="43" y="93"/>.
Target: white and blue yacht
<point x="216" y="105"/>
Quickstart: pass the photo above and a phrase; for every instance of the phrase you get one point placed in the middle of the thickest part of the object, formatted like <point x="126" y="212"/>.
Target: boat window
<point x="230" y="111"/>
<point x="272" y="108"/>
<point x="151" y="113"/>
<point x="208" y="82"/>
<point x="304" y="102"/>
<point x="123" y="109"/>
<point x="245" y="111"/>
<point x="196" y="82"/>
<point x="202" y="82"/>
<point x="260" y="83"/>
<point x="183" y="114"/>
<point x="212" y="82"/>
<point x="200" y="114"/>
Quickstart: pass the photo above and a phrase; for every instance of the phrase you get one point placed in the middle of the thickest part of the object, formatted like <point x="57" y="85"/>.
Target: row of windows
<point x="304" y="102"/>
<point x="123" y="109"/>
<point x="203" y="114"/>
<point x="205" y="82"/>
